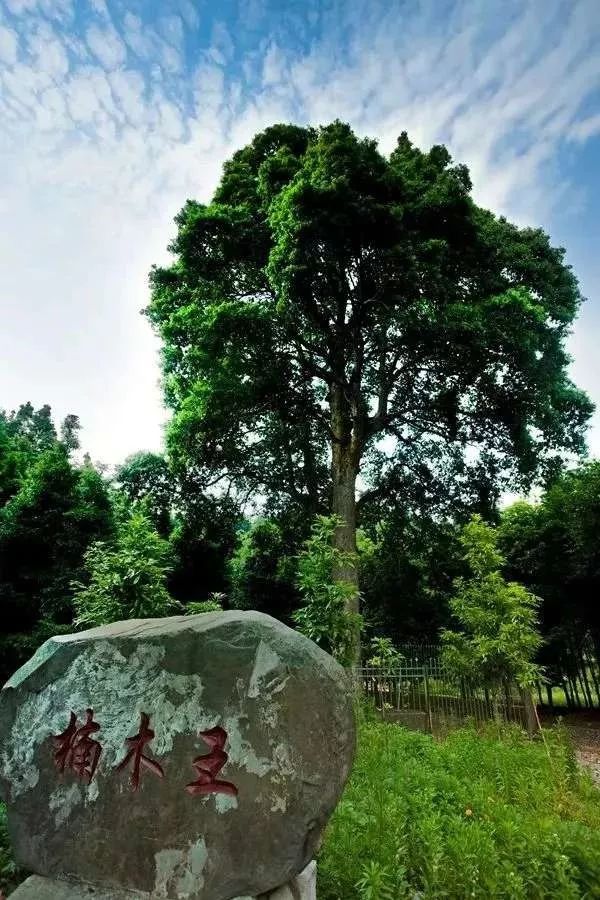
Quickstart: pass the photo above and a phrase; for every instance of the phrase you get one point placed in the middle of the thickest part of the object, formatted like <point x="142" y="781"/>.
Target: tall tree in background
<point x="51" y="510"/>
<point x="145" y="478"/>
<point x="329" y="298"/>
<point x="407" y="581"/>
<point x="553" y="548"/>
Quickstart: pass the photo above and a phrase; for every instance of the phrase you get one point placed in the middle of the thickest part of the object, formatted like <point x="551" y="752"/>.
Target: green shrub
<point x="126" y="579"/>
<point x="214" y="603"/>
<point x="324" y="617"/>
<point x="489" y="815"/>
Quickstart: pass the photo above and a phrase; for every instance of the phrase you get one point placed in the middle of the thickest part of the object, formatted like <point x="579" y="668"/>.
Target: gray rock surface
<point x="197" y="757"/>
<point x="302" y="887"/>
<point x="38" y="888"/>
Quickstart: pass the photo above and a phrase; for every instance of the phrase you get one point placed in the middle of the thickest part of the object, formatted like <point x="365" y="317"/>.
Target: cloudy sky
<point x="113" y="112"/>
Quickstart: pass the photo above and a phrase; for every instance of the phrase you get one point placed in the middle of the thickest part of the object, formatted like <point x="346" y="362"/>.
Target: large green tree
<point x="45" y="530"/>
<point x="334" y="312"/>
<point x="50" y="511"/>
<point x="145" y="478"/>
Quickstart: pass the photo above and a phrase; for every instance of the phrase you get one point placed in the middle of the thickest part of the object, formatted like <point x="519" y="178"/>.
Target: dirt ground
<point x="584" y="729"/>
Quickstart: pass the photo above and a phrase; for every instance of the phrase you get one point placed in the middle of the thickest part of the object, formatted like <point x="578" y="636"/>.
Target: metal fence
<point x="422" y="694"/>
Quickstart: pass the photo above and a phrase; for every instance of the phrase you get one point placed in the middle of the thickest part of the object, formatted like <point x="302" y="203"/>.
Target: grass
<point x="488" y="815"/>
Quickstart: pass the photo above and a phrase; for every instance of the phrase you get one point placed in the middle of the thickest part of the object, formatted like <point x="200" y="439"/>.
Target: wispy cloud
<point x="111" y="119"/>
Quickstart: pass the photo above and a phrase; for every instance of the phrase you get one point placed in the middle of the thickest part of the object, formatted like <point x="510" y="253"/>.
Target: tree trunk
<point x="345" y="457"/>
<point x="344" y="506"/>
<point x="531" y="720"/>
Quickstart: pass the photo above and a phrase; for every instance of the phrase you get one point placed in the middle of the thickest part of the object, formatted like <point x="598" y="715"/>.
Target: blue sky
<point x="113" y="113"/>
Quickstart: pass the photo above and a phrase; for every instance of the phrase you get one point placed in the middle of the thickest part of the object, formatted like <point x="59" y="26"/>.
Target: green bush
<point x="126" y="579"/>
<point x="489" y="815"/>
<point x="324" y="617"/>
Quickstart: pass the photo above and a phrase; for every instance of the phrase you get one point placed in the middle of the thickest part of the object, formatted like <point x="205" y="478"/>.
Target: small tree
<point x="384" y="655"/>
<point x="126" y="579"/>
<point x="324" y="617"/>
<point x="498" y="638"/>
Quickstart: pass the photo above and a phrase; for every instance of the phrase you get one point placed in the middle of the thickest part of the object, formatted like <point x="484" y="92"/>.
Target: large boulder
<point x="191" y="757"/>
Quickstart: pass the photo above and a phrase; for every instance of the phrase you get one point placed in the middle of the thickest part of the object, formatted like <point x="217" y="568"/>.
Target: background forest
<point x="79" y="545"/>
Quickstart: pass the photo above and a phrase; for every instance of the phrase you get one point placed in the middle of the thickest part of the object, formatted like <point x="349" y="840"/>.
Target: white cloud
<point x="134" y="36"/>
<point x="48" y="51"/>
<point x="8" y="45"/>
<point x="128" y="87"/>
<point x="171" y="28"/>
<point x="189" y="13"/>
<point x="171" y="125"/>
<point x="273" y="66"/>
<point x="61" y="10"/>
<point x="586" y="128"/>
<point x="221" y="43"/>
<point x="106" y="45"/>
<point x="20" y="6"/>
<point x="100" y="7"/>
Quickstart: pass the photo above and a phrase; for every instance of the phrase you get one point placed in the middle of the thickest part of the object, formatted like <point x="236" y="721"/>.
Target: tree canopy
<point x="51" y="510"/>
<point x="335" y="312"/>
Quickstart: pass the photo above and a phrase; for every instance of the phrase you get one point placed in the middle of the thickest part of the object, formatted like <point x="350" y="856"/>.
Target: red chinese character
<point x="210" y="765"/>
<point x="76" y="750"/>
<point x="136" y="745"/>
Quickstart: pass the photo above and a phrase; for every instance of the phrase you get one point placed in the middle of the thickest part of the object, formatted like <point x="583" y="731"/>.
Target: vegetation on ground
<point x="487" y="814"/>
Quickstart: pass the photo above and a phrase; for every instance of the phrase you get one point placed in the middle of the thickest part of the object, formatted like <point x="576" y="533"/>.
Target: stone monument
<point x="189" y="758"/>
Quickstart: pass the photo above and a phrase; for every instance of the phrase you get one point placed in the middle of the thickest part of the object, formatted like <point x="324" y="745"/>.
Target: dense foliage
<point x="324" y="616"/>
<point x="334" y="312"/>
<point x="52" y="510"/>
<point x="489" y="815"/>
<point x="126" y="579"/>
<point x="78" y="549"/>
<point x="553" y="548"/>
<point x="262" y="570"/>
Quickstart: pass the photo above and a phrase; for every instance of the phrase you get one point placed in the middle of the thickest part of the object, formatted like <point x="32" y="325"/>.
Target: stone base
<point x="303" y="887"/>
<point x="37" y="888"/>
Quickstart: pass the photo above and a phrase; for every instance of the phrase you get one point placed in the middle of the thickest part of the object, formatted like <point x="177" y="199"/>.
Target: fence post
<point x="531" y="718"/>
<point x="427" y="703"/>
